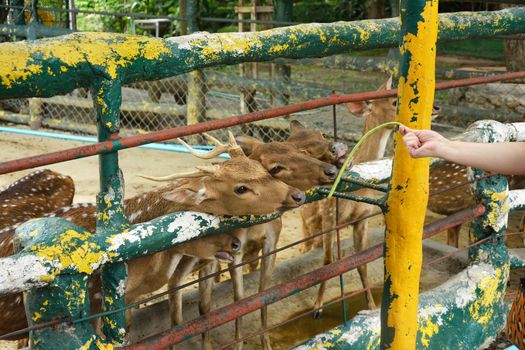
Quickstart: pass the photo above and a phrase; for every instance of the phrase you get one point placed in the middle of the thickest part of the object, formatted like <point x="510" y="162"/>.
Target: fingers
<point x="403" y="130"/>
<point x="411" y="142"/>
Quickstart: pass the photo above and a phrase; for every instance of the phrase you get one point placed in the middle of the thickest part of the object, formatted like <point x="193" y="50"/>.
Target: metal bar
<point x="33" y="29"/>
<point x="375" y="64"/>
<point x="163" y="135"/>
<point x="338" y="232"/>
<point x="407" y="201"/>
<point x="353" y="197"/>
<point x="430" y="230"/>
<point x="146" y="16"/>
<point x="276" y="293"/>
<point x="153" y="58"/>
<point x="107" y="99"/>
<point x="366" y="184"/>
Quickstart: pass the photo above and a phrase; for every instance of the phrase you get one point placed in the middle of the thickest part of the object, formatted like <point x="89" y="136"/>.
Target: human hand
<point x="423" y="143"/>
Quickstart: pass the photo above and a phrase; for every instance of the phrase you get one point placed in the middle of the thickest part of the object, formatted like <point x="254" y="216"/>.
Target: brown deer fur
<point x="286" y="163"/>
<point x="34" y="195"/>
<point x="215" y="192"/>
<point x="320" y="216"/>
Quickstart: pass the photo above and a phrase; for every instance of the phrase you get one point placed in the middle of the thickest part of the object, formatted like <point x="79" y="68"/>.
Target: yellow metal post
<point x="409" y="194"/>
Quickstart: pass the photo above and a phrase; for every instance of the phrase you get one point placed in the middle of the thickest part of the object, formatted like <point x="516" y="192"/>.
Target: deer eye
<point x="394" y="104"/>
<point x="241" y="189"/>
<point x="276" y="169"/>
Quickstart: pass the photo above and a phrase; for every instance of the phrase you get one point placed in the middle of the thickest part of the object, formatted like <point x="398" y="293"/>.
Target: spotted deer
<point x="238" y="186"/>
<point x="450" y="193"/>
<point x="286" y="163"/>
<point x="34" y="195"/>
<point x="320" y="216"/>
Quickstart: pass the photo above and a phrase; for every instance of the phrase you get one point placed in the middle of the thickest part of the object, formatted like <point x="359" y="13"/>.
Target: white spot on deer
<point x="134" y="216"/>
<point x="200" y="196"/>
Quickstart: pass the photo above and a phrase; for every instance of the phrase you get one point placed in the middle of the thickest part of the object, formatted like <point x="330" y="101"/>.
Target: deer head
<point x="286" y="162"/>
<point x="316" y="145"/>
<point x="237" y="186"/>
<point x="219" y="246"/>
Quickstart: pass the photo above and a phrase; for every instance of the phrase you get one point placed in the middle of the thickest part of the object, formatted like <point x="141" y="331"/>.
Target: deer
<point x="321" y="215"/>
<point x="238" y="186"/>
<point x="284" y="162"/>
<point x="38" y="193"/>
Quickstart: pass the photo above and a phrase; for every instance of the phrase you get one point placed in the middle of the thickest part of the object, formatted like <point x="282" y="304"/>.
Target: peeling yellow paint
<point x="483" y="307"/>
<point x="86" y="345"/>
<point x="36" y="316"/>
<point x="110" y="322"/>
<point x="103" y="346"/>
<point x="279" y="48"/>
<point x="428" y="329"/>
<point x="107" y="51"/>
<point x="374" y="343"/>
<point x="71" y="250"/>
<point x="409" y="195"/>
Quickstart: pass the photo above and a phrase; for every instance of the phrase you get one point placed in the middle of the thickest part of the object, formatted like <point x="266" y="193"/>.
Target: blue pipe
<point x="156" y="146"/>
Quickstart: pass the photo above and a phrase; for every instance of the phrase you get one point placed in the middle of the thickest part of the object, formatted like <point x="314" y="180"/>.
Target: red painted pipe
<point x="245" y="306"/>
<point x="163" y="135"/>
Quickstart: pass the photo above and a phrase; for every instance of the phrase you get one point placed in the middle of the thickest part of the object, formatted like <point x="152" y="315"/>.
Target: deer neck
<point x="375" y="145"/>
<point x="150" y="205"/>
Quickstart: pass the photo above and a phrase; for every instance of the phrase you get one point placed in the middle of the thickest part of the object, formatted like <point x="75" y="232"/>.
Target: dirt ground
<point x="143" y="161"/>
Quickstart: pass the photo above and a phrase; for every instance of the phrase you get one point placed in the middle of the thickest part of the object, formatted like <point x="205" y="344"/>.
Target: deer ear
<point x="356" y="108"/>
<point x="387" y="85"/>
<point x="247" y="143"/>
<point x="296" y="126"/>
<point x="186" y="196"/>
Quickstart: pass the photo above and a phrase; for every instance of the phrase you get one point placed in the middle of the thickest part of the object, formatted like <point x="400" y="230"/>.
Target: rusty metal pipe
<point x="245" y="306"/>
<point x="132" y="141"/>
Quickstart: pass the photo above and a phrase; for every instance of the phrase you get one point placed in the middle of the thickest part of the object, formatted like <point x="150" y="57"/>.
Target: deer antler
<point x="232" y="148"/>
<point x="201" y="171"/>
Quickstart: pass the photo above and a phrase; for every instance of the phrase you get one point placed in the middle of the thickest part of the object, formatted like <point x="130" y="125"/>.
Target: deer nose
<point x="236" y="244"/>
<point x="330" y="172"/>
<point x="299" y="197"/>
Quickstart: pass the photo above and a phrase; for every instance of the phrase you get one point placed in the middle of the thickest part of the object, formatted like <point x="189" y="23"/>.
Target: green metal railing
<point x="56" y="261"/>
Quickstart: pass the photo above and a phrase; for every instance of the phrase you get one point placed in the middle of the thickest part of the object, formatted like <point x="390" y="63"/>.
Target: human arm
<point x="506" y="158"/>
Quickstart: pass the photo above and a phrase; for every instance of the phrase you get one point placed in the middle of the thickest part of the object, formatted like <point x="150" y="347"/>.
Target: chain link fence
<point x="155" y="105"/>
<point x="226" y="91"/>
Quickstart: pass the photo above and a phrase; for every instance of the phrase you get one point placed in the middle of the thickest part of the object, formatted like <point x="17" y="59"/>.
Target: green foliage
<point x="328" y="11"/>
<point x="91" y="22"/>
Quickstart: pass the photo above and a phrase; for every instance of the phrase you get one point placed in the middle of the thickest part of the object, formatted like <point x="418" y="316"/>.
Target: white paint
<point x="435" y="303"/>
<point x="371" y="323"/>
<point x="500" y="132"/>
<point x="519" y="131"/>
<point x="188" y="225"/>
<point x="516" y="199"/>
<point x="20" y="273"/>
<point x="132" y="236"/>
<point x="376" y="170"/>
<point x="430" y="311"/>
